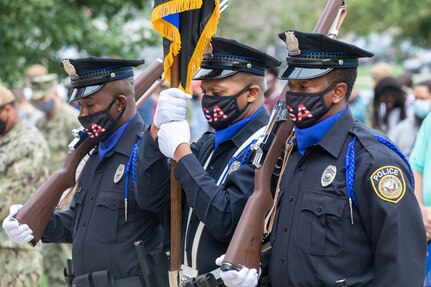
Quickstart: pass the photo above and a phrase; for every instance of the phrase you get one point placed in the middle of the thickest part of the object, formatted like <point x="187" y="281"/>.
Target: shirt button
<point x="285" y="229"/>
<point x="84" y="225"/>
<point x="291" y="198"/>
<point x="300" y="168"/>
<point x="319" y="209"/>
<point x="212" y="167"/>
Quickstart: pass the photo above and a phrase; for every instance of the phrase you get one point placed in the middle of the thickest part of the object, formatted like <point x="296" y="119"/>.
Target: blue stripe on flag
<point x="174" y="19"/>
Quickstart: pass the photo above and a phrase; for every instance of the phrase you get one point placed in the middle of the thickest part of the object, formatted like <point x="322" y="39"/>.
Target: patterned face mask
<point x="305" y="109"/>
<point x="101" y="124"/>
<point x="221" y="111"/>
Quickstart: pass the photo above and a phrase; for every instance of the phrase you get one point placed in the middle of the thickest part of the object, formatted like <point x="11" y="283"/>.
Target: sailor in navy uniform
<point x="215" y="172"/>
<point x="346" y="214"/>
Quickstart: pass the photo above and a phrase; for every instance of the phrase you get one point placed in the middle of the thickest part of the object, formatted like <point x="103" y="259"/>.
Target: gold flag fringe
<point x="171" y="33"/>
<point x="198" y="54"/>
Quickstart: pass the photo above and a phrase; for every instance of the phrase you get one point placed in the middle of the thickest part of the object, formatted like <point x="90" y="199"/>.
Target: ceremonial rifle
<point x="246" y="244"/>
<point x="39" y="208"/>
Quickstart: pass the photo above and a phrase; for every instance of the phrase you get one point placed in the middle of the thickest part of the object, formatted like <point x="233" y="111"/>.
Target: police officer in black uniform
<point x="347" y="214"/>
<point x="100" y="224"/>
<point x="215" y="172"/>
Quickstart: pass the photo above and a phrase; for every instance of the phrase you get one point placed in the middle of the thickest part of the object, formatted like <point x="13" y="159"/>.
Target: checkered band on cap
<point x="225" y="61"/>
<point x="109" y="72"/>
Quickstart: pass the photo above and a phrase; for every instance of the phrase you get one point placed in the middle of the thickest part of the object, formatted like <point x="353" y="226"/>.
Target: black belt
<point x="133" y="281"/>
<point x="104" y="279"/>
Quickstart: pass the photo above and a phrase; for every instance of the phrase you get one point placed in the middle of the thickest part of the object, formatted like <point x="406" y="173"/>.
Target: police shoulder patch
<point x="388" y="183"/>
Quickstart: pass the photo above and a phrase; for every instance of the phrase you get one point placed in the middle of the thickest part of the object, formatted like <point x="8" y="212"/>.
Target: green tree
<point x="257" y="22"/>
<point x="35" y="31"/>
<point x="410" y="19"/>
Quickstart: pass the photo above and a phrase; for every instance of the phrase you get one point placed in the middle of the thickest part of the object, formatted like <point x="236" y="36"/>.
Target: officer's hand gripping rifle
<point x="39" y="208"/>
<point x="246" y="244"/>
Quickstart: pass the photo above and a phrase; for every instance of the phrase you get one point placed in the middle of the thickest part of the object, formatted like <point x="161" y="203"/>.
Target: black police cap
<point x="311" y="55"/>
<point x="88" y="75"/>
<point x="225" y="57"/>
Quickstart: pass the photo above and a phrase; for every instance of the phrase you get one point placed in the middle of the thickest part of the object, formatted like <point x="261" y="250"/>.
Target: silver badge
<point x="328" y="175"/>
<point x="119" y="173"/>
<point x="70" y="69"/>
<point x="292" y="44"/>
<point x="235" y="165"/>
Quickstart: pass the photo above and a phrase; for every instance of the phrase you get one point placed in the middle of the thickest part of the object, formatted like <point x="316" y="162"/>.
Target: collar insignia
<point x="292" y="44"/>
<point x="328" y="175"/>
<point x="119" y="173"/>
<point x="70" y="69"/>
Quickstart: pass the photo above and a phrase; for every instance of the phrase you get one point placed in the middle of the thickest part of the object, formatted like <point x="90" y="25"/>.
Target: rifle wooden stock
<point x="38" y="209"/>
<point x="328" y="16"/>
<point x="246" y="244"/>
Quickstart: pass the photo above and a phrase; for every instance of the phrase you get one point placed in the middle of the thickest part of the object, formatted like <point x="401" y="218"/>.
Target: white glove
<point x="171" y="135"/>
<point x="171" y="106"/>
<point x="21" y="234"/>
<point x="242" y="278"/>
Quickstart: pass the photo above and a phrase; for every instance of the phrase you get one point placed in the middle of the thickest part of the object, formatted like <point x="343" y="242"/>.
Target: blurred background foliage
<point x="43" y="31"/>
<point x="40" y="31"/>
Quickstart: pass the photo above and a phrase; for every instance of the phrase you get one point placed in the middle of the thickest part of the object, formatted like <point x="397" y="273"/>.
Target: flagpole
<point x="176" y="196"/>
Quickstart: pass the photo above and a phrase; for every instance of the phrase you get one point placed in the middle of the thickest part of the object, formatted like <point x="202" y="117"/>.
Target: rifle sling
<point x="269" y="219"/>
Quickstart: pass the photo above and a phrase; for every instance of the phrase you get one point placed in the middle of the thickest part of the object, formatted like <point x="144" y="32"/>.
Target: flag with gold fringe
<point x="187" y="27"/>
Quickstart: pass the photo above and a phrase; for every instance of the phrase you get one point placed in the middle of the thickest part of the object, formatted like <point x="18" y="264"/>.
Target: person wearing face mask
<point x="23" y="154"/>
<point x="273" y="88"/>
<point x="116" y="202"/>
<point x="404" y="134"/>
<point x="59" y="118"/>
<point x="57" y="123"/>
<point x="346" y="212"/>
<point x="419" y="160"/>
<point x="215" y="172"/>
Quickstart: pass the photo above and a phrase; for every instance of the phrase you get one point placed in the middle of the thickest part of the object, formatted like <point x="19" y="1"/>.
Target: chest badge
<point x="328" y="175"/>
<point x="119" y="173"/>
<point x="235" y="166"/>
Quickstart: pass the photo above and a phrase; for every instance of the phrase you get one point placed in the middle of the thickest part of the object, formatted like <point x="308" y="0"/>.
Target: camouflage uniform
<point x="23" y="156"/>
<point x="58" y="133"/>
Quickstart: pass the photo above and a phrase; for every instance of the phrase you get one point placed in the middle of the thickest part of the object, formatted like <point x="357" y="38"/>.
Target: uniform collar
<point x="134" y="129"/>
<point x="334" y="139"/>
<point x="259" y="120"/>
<point x="312" y="135"/>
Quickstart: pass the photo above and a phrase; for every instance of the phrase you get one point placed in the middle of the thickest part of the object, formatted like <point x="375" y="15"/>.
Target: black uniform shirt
<point x="95" y="223"/>
<point x="314" y="242"/>
<point x="218" y="207"/>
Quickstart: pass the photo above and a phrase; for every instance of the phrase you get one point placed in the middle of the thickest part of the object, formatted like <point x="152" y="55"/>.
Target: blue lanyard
<point x="130" y="167"/>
